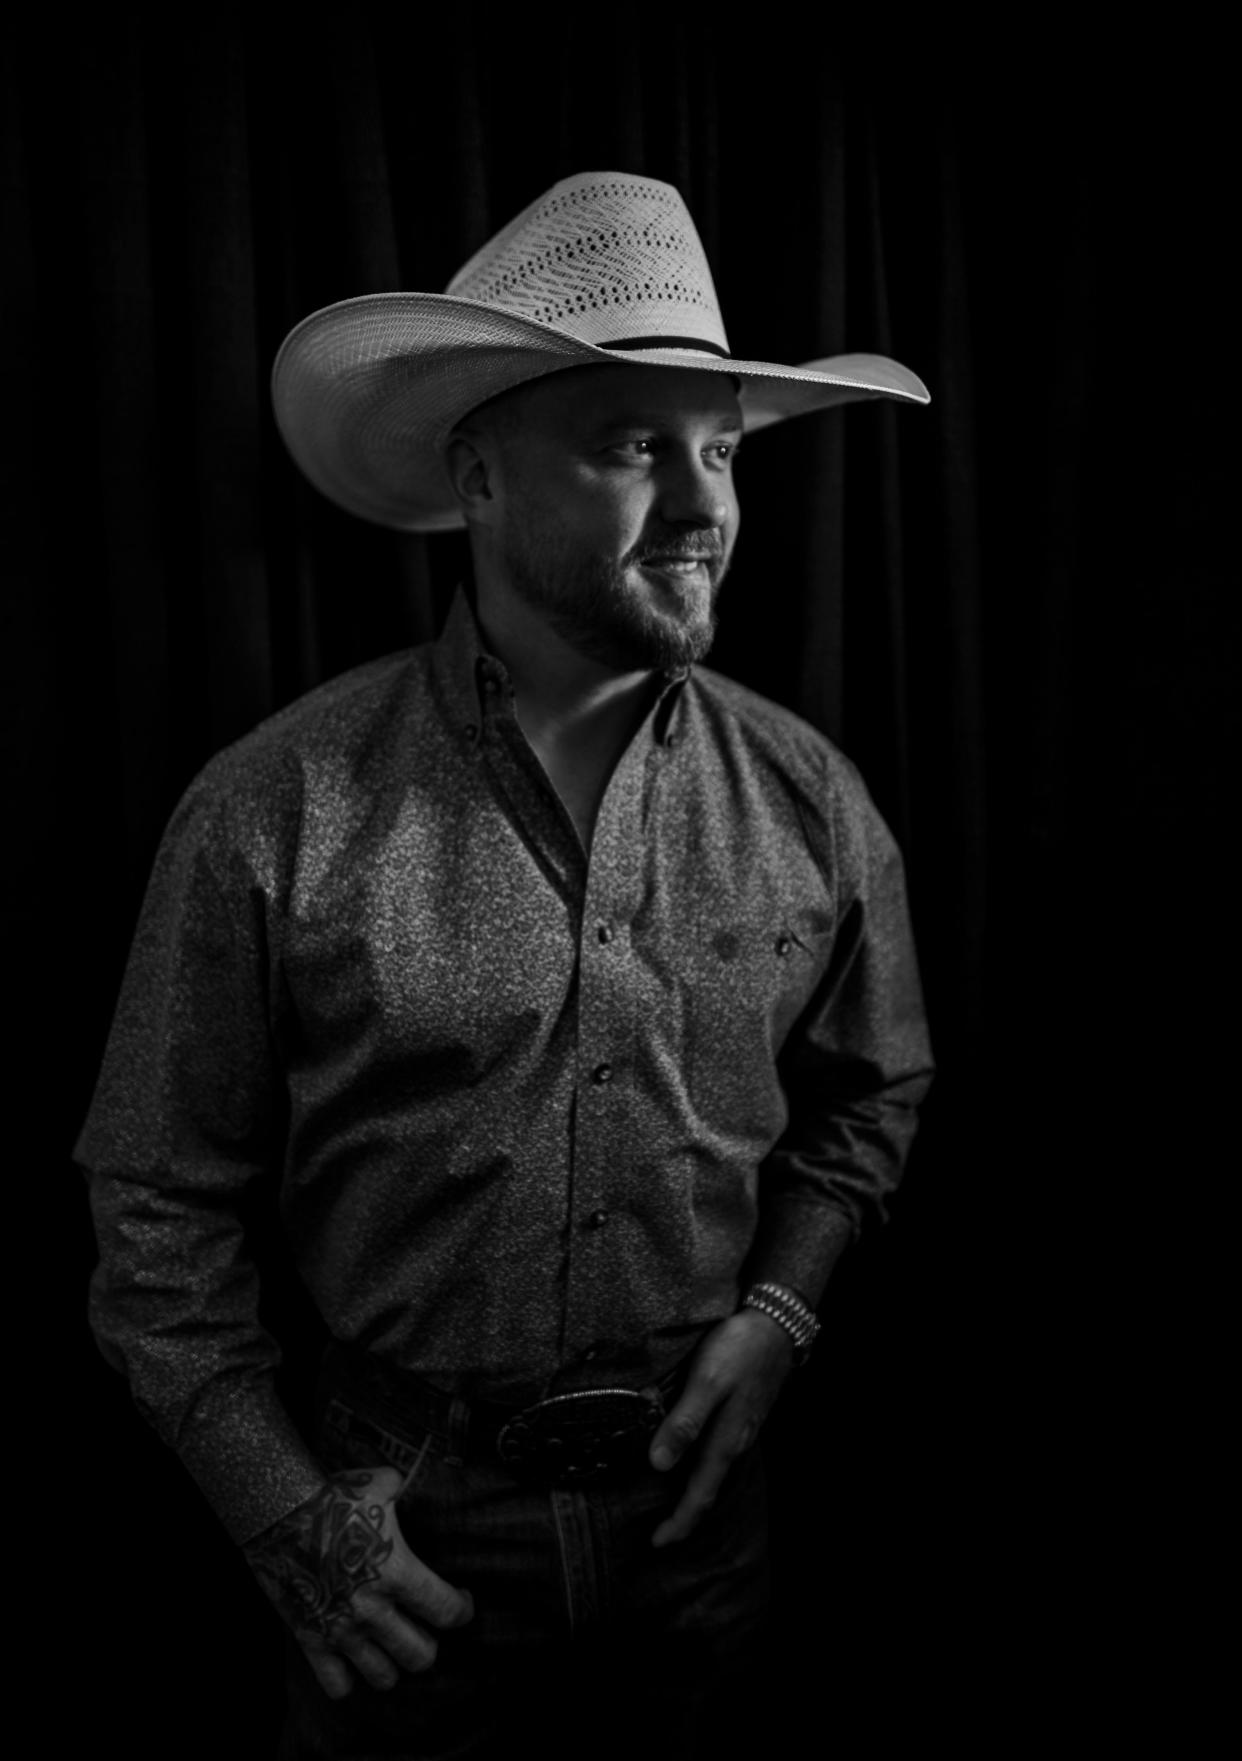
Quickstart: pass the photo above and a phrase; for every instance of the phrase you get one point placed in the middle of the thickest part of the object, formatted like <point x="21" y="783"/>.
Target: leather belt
<point x="584" y="1438"/>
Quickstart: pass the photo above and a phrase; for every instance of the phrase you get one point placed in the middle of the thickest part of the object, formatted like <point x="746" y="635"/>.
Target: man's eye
<point x="641" y="447"/>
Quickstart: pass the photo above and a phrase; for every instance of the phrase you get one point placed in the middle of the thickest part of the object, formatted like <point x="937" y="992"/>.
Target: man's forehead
<point x="603" y="396"/>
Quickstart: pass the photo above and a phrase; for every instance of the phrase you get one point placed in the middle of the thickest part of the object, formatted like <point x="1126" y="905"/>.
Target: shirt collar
<point x="472" y="682"/>
<point x="465" y="674"/>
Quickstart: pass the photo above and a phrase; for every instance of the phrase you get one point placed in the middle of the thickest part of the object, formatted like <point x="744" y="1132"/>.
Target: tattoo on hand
<point x="314" y="1559"/>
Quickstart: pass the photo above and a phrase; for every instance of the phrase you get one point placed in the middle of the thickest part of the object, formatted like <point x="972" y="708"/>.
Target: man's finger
<point x="729" y="1438"/>
<point x="385" y="1485"/>
<point x="331" y="1672"/>
<point x="374" y="1665"/>
<point x="410" y="1646"/>
<point x="420" y="1590"/>
<point x="683" y="1426"/>
<point x="700" y="1493"/>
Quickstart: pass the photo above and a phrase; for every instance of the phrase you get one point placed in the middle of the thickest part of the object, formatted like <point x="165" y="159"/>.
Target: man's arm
<point x="335" y="1564"/>
<point x="854" y="1070"/>
<point x="187" y="1113"/>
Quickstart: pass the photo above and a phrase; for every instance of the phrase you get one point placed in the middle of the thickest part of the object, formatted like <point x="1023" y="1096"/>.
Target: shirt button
<point x="783" y="945"/>
<point x="605" y="932"/>
<point x="597" y="1219"/>
<point x="602" y="1073"/>
<point x="591" y="1353"/>
<point x="472" y="733"/>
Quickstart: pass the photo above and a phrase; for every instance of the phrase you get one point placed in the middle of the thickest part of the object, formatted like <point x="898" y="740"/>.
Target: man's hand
<point x="736" y="1375"/>
<point x="342" y="1576"/>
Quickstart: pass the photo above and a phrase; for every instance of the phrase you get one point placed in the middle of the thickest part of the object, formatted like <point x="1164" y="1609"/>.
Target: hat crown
<point x="606" y="257"/>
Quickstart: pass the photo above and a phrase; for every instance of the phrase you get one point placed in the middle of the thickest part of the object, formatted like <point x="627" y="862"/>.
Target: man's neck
<point x="560" y="693"/>
<point x="578" y="715"/>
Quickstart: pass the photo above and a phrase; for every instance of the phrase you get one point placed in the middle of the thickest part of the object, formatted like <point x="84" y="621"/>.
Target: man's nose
<point x="693" y="495"/>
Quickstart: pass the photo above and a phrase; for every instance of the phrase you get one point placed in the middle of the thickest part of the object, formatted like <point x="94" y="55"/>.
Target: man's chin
<point x="667" y="643"/>
<point x="674" y="622"/>
<point x="656" y="645"/>
<point x="633" y="620"/>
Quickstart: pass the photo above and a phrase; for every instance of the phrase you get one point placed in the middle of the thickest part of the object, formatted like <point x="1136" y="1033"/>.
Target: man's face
<point x="616" y="511"/>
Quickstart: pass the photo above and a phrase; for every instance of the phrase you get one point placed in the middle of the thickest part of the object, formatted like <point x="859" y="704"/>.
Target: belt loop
<point x="458" y="1433"/>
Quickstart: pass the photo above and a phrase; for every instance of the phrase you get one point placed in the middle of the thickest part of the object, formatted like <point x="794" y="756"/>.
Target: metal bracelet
<point x="789" y="1310"/>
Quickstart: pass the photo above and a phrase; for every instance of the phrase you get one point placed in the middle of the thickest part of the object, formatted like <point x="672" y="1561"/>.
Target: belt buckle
<point x="580" y="1439"/>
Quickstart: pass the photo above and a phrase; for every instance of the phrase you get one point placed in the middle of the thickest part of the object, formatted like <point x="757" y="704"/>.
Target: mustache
<point x="704" y="546"/>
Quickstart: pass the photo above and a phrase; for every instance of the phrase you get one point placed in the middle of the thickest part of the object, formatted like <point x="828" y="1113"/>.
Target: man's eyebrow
<point x="638" y="418"/>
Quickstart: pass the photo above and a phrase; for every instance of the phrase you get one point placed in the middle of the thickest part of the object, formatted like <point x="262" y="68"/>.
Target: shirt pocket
<point x="753" y="977"/>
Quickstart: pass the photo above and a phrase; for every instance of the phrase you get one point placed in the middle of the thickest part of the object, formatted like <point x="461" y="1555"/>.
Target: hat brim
<point x="367" y="391"/>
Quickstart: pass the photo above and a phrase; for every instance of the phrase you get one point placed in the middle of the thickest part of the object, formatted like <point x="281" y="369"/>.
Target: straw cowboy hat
<point x="605" y="268"/>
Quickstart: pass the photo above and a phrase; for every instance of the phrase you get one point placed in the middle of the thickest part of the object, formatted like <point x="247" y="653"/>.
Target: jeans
<point x="586" y="1641"/>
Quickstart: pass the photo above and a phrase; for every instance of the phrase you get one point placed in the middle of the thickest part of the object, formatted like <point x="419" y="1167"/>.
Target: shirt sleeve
<point x="857" y="1064"/>
<point x="188" y="1111"/>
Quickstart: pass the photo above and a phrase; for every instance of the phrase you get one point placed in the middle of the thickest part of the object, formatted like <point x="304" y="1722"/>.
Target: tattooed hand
<point x="342" y="1576"/>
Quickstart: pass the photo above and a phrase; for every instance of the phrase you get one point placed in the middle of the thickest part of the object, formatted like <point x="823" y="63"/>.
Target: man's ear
<point x="469" y="464"/>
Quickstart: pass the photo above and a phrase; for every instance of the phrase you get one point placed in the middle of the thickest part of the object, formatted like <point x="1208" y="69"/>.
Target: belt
<point x="590" y="1437"/>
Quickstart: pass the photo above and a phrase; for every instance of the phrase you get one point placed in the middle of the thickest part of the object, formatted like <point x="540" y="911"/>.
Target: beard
<point x="591" y="605"/>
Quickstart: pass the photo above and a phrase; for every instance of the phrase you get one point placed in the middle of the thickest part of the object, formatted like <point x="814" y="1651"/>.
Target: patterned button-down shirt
<point x="535" y="1115"/>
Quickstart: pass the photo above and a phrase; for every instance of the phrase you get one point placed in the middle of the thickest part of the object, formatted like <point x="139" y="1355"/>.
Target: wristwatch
<point x="787" y="1307"/>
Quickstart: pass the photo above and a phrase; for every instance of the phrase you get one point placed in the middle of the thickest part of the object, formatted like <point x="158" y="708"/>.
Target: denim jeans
<point x="586" y="1641"/>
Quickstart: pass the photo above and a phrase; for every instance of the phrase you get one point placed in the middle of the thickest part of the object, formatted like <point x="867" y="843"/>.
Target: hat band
<point x="668" y="342"/>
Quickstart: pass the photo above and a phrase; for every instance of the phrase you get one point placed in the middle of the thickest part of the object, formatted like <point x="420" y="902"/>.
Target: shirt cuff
<point x="249" y="1461"/>
<point x="798" y="1245"/>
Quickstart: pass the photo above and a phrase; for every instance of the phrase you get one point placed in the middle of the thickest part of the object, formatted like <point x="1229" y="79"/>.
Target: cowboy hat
<point x="604" y="268"/>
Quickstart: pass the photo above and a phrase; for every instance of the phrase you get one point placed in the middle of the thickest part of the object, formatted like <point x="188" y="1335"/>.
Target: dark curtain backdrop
<point x="1009" y="608"/>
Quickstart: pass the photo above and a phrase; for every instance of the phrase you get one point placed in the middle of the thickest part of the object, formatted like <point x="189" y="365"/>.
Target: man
<point x="568" y="991"/>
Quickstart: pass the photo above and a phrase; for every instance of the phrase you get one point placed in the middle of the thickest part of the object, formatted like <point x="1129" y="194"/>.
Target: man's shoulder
<point x="774" y="734"/>
<point x="337" y="720"/>
<point x="325" y="745"/>
<point x="342" y="711"/>
<point x="777" y="757"/>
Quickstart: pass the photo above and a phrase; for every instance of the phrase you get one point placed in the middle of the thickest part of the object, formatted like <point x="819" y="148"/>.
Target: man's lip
<point x="661" y="558"/>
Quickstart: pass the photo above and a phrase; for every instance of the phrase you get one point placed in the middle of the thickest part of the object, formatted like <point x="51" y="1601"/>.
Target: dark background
<point x="1010" y="609"/>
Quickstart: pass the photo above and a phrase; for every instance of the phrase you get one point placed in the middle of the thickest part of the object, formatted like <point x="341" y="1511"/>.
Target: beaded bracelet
<point x="794" y="1315"/>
